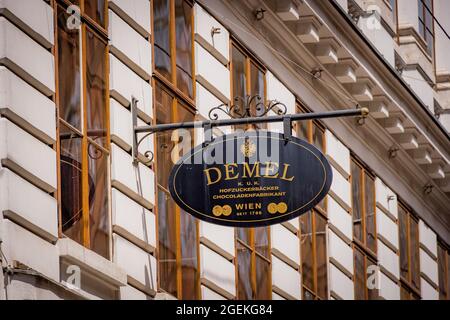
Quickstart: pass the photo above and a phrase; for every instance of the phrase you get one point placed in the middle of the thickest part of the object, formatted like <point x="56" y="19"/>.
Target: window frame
<point x="87" y="24"/>
<point x="422" y="20"/>
<point x="314" y="291"/>
<point x="393" y="5"/>
<point x="312" y="125"/>
<point x="407" y="283"/>
<point x="172" y="84"/>
<point x="363" y="172"/>
<point x="254" y="254"/>
<point x="367" y="257"/>
<point x="357" y="244"/>
<point x="177" y="100"/>
<point x="249" y="60"/>
<point x="443" y="295"/>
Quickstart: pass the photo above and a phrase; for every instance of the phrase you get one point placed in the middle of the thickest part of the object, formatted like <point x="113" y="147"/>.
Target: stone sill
<point x="93" y="263"/>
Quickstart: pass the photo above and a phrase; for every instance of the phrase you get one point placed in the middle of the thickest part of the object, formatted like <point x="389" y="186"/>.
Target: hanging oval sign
<point x="250" y="179"/>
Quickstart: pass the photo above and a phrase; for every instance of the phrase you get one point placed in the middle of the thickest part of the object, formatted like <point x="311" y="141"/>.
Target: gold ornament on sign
<point x="226" y="210"/>
<point x="248" y="148"/>
<point x="282" y="207"/>
<point x="273" y="208"/>
<point x="219" y="210"/>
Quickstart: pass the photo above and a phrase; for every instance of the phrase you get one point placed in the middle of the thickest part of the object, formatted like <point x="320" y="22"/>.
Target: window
<point x="443" y="271"/>
<point x="314" y="133"/>
<point x="83" y="128"/>
<point x="362" y="263"/>
<point x="173" y="45"/>
<point x="313" y="243"/>
<point x="252" y="245"/>
<point x="409" y="254"/>
<point x="177" y="230"/>
<point x="247" y="80"/>
<point x="364" y="228"/>
<point x="313" y="250"/>
<point x="363" y="207"/>
<point x="393" y="4"/>
<point x="253" y="264"/>
<point x="426" y="24"/>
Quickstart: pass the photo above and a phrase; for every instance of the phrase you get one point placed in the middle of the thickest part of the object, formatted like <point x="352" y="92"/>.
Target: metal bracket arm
<point x="209" y="124"/>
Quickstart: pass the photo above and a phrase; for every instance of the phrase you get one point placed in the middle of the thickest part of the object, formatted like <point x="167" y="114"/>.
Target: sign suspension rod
<point x="287" y="120"/>
<point x="362" y="112"/>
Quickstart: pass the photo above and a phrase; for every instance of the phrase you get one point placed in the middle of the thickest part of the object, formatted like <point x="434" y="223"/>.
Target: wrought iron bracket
<point x="208" y="125"/>
<point x="148" y="154"/>
<point x="287" y="127"/>
<point x="249" y="106"/>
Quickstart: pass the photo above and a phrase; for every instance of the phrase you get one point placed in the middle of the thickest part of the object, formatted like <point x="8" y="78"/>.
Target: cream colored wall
<point x="31" y="232"/>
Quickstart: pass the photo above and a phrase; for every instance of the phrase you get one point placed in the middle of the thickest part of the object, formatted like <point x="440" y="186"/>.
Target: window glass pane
<point x="393" y="4"/>
<point x="430" y="42"/>
<point x="189" y="268"/>
<point x="428" y="21"/>
<point x="321" y="254"/>
<point x="257" y="88"/>
<point x="307" y="295"/>
<point x="448" y="273"/>
<point x="262" y="241"/>
<point x="442" y="268"/>
<point x="263" y="287"/>
<point x="188" y="223"/>
<point x="372" y="293"/>
<point x="307" y="250"/>
<point x="71" y="184"/>
<point x="96" y="88"/>
<point x="183" y="32"/>
<point x="164" y="144"/>
<point x="420" y="6"/>
<point x="318" y="141"/>
<point x="422" y="29"/>
<point x="356" y="202"/>
<point x="414" y="253"/>
<point x="403" y="229"/>
<point x="69" y="71"/>
<point x="99" y="225"/>
<point x="370" y="213"/>
<point x="243" y="234"/>
<point x="318" y="137"/>
<point x="167" y="243"/>
<point x="161" y="12"/>
<point x="302" y="130"/>
<point x="184" y="139"/>
<point x="360" y="275"/>
<point x="404" y="293"/>
<point x="95" y="9"/>
<point x="238" y="74"/>
<point x="244" y="257"/>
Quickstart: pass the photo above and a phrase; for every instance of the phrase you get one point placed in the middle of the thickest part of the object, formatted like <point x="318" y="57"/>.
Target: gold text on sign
<point x="232" y="171"/>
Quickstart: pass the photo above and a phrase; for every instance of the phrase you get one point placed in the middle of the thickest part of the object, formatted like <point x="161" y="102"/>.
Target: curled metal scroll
<point x="250" y="106"/>
<point x="148" y="153"/>
<point x="95" y="153"/>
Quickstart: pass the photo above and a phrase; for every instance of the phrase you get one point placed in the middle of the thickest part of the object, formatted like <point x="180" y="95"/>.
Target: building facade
<point x="80" y="220"/>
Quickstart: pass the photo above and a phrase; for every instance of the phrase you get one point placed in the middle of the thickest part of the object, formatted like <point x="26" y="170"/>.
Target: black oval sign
<point x="250" y="179"/>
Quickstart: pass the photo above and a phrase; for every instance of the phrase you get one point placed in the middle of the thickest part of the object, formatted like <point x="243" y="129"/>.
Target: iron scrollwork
<point x="249" y="106"/>
<point x="242" y="107"/>
<point x="148" y="154"/>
